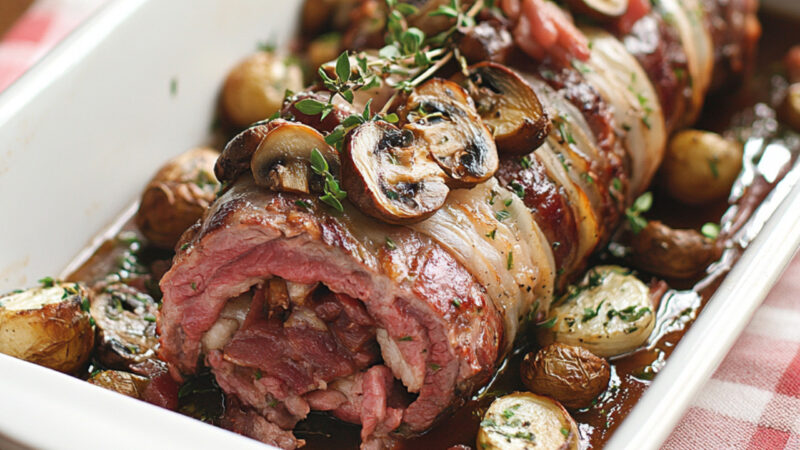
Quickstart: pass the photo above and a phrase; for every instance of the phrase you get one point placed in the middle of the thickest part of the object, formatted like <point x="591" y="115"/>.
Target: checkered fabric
<point x="39" y="29"/>
<point x="753" y="399"/>
<point x="751" y="402"/>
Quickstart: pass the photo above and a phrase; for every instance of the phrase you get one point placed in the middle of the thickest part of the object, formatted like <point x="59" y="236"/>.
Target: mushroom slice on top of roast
<point x="443" y="118"/>
<point x="389" y="176"/>
<point x="509" y="106"/>
<point x="126" y="328"/>
<point x="235" y="158"/>
<point x="282" y="161"/>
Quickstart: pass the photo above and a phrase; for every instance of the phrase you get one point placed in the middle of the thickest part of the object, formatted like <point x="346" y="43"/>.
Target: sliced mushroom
<point x="509" y="107"/>
<point x="443" y="118"/>
<point x="235" y="158"/>
<point x="388" y="176"/>
<point x="599" y="9"/>
<point x="126" y="327"/>
<point x="281" y="161"/>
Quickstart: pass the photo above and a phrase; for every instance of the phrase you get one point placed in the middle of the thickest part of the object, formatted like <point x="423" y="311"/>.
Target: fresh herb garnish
<point x="332" y="193"/>
<point x="634" y="213"/>
<point x="710" y="230"/>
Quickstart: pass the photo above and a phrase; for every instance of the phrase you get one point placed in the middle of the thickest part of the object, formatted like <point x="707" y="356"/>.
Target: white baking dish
<point x="82" y="132"/>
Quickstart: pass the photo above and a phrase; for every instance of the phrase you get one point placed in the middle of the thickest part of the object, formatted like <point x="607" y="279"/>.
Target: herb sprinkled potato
<point x="609" y="313"/>
<point x="527" y="421"/>
<point x="48" y="325"/>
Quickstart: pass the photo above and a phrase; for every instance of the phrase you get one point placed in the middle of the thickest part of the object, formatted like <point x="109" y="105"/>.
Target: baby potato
<point x="522" y="420"/>
<point x="255" y="88"/>
<point x="572" y="375"/>
<point x="123" y="382"/>
<point x="700" y="167"/>
<point x="48" y="325"/>
<point x="177" y="196"/>
<point x="609" y="313"/>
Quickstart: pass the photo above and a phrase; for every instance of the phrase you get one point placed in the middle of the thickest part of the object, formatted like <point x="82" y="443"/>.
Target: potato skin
<point x="255" y="88"/>
<point x="177" y="196"/>
<point x="700" y="167"/>
<point x="572" y="375"/>
<point x="122" y="382"/>
<point x="58" y="335"/>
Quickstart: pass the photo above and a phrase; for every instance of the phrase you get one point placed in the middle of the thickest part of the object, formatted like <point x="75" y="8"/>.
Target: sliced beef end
<point x="304" y="352"/>
<point x="249" y="423"/>
<point x="439" y="348"/>
<point x="657" y="46"/>
<point x="548" y="202"/>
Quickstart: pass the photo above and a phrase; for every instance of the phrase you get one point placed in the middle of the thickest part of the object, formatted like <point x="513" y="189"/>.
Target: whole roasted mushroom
<point x="669" y="252"/>
<point x="509" y="106"/>
<point x="282" y="160"/>
<point x="388" y="176"/>
<point x="443" y="118"/>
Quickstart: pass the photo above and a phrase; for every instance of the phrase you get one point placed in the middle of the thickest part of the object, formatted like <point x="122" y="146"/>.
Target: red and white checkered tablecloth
<point x="751" y="402"/>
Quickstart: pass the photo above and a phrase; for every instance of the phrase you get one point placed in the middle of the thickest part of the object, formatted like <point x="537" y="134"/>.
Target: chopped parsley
<point x="406" y="339"/>
<point x="390" y="243"/>
<point x="525" y="162"/>
<point x="456" y="303"/>
<point x="589" y="313"/>
<point x="492" y="234"/>
<point x="502" y="215"/>
<point x="47" y="282"/>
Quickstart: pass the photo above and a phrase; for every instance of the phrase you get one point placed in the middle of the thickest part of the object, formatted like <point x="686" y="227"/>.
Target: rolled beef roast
<point x="297" y="307"/>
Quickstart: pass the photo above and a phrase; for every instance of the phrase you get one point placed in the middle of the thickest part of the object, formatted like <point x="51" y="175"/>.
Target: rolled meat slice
<point x="296" y="307"/>
<point x="385" y="292"/>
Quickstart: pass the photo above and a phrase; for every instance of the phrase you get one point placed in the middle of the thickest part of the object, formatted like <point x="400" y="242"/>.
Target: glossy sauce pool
<point x="631" y="374"/>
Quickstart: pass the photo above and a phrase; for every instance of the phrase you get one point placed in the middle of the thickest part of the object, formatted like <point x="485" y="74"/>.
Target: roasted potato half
<point x="177" y="196"/>
<point x="48" y="325"/>
<point x="609" y="312"/>
<point x="522" y="420"/>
